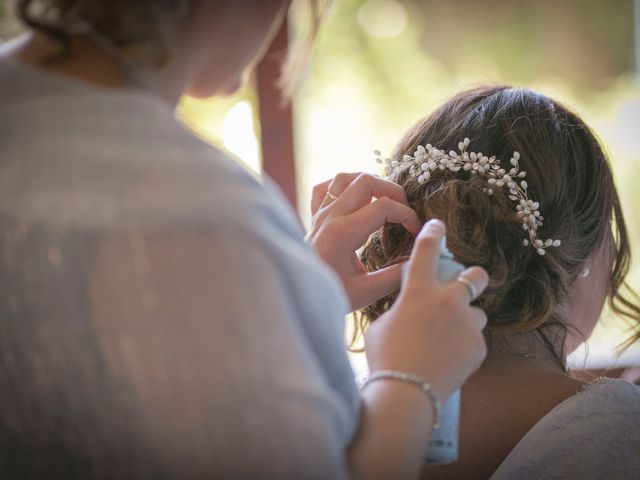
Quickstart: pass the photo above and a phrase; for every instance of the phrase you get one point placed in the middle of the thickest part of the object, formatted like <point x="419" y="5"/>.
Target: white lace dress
<point x="594" y="434"/>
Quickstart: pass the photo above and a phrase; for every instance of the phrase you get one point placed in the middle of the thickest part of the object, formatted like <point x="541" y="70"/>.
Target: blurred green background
<point x="380" y="65"/>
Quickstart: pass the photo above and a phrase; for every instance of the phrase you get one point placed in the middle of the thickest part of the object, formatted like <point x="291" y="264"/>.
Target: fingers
<point x="362" y="190"/>
<point x="336" y="186"/>
<point x="380" y="283"/>
<point x="354" y="191"/>
<point x="424" y="257"/>
<point x="341" y="181"/>
<point x="424" y="260"/>
<point x="363" y="222"/>
<point x="317" y="195"/>
<point x="471" y="283"/>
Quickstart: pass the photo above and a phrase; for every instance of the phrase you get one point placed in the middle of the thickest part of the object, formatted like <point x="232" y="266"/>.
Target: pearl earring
<point x="585" y="272"/>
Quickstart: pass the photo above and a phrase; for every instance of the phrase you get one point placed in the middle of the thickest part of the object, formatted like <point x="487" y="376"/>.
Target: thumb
<point x="376" y="285"/>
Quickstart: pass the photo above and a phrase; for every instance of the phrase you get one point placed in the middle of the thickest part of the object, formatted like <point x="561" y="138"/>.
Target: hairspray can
<point x="443" y="444"/>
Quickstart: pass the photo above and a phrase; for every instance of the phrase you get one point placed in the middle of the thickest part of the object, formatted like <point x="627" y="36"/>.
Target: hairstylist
<point x="162" y="315"/>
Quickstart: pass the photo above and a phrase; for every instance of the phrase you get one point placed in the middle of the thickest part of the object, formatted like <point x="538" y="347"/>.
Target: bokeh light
<point x="239" y="136"/>
<point x="382" y="18"/>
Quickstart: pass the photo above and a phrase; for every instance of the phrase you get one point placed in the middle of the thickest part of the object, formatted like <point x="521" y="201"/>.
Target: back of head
<point x="148" y="33"/>
<point x="567" y="173"/>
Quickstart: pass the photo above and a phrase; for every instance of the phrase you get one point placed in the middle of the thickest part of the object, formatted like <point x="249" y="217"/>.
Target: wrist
<point x="435" y="377"/>
<point x="409" y="379"/>
<point x="395" y="427"/>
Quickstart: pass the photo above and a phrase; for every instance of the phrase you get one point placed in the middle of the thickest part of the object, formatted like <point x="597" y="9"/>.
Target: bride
<point x="526" y="192"/>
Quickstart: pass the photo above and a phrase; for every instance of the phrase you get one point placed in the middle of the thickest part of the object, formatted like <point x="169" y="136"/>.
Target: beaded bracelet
<point x="407" y="378"/>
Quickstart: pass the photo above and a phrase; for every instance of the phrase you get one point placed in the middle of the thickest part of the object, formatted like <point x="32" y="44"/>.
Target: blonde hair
<point x="311" y="14"/>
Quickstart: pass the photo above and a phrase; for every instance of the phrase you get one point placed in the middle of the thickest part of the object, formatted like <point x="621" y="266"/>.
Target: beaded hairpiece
<point x="427" y="159"/>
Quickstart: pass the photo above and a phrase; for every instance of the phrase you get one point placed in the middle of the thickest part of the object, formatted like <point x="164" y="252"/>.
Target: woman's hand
<point x="346" y="210"/>
<point x="431" y="330"/>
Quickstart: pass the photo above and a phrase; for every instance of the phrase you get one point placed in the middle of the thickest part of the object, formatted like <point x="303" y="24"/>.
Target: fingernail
<point x="433" y="226"/>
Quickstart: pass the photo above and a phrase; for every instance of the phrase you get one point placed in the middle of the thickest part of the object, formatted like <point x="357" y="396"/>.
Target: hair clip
<point x="427" y="159"/>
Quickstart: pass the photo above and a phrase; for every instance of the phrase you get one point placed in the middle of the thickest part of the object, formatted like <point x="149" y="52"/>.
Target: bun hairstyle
<point x="567" y="173"/>
<point x="145" y="31"/>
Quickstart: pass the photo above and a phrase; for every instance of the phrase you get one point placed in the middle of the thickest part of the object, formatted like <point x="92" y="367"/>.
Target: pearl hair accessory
<point x="427" y="159"/>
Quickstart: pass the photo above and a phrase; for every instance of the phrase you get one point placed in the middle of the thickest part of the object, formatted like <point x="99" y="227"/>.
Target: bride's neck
<point x="527" y="351"/>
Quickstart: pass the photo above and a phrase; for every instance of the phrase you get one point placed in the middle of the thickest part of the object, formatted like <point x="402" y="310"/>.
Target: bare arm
<point x="431" y="330"/>
<point x="396" y="425"/>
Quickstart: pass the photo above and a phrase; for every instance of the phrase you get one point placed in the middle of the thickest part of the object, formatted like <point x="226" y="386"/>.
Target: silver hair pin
<point x="427" y="158"/>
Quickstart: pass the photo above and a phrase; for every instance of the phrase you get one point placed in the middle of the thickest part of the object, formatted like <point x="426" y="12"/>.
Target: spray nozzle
<point x="444" y="251"/>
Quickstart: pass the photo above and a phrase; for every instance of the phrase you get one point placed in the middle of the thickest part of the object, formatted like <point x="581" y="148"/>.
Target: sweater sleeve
<point x="238" y="376"/>
<point x="161" y="315"/>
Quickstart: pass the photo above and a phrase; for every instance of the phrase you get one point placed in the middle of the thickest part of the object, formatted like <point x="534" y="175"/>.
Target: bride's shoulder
<point x="609" y="395"/>
<point x="595" y="432"/>
<point x="601" y="398"/>
<point x="604" y="409"/>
